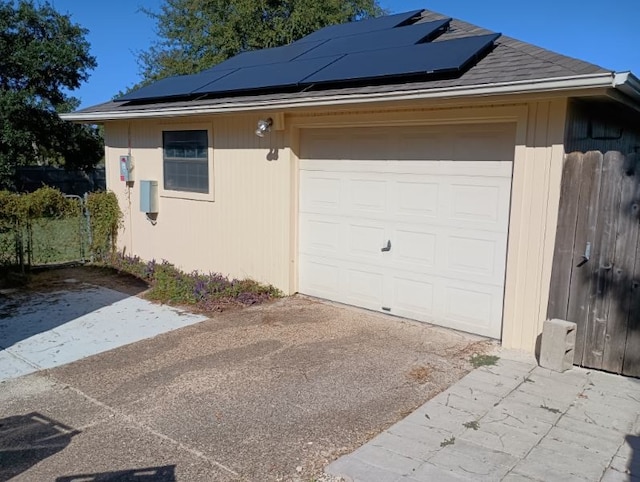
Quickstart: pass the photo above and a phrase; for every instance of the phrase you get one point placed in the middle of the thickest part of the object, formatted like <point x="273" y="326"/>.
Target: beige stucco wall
<point x="249" y="226"/>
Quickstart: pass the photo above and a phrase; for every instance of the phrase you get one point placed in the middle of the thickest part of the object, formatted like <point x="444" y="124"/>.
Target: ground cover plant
<point x="205" y="292"/>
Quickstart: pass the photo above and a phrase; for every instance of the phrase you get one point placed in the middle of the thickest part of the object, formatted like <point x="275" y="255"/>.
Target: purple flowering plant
<point x="208" y="292"/>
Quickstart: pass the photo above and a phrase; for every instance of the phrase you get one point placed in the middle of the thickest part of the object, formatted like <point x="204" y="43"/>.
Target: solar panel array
<point x="365" y="26"/>
<point x="384" y="47"/>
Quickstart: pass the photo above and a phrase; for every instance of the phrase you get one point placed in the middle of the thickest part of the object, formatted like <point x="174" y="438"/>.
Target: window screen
<point x="186" y="161"/>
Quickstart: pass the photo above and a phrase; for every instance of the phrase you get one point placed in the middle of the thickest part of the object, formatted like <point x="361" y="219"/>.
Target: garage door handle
<point x="387" y="247"/>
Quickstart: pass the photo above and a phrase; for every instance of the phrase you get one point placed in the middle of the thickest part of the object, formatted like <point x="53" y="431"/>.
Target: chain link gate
<point x="47" y="240"/>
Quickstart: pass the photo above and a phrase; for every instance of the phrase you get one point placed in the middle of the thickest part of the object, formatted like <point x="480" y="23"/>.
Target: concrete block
<point x="558" y="345"/>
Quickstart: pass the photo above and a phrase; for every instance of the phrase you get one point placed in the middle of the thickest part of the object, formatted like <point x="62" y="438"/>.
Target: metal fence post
<point x="87" y="216"/>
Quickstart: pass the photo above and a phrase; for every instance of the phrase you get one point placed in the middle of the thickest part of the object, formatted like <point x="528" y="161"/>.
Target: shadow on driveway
<point x="633" y="469"/>
<point x="150" y="474"/>
<point x="26" y="440"/>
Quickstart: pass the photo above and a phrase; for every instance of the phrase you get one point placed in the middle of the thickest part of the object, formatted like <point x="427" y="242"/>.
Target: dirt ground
<point x="272" y="392"/>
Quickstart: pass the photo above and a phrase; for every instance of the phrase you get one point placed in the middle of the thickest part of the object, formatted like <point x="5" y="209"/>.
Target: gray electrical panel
<point x="149" y="196"/>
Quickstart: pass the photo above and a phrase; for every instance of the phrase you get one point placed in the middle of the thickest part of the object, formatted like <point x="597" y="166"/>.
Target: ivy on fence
<point x="105" y="220"/>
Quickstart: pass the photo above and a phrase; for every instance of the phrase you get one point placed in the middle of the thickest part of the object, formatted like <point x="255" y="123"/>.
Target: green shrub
<point x="105" y="220"/>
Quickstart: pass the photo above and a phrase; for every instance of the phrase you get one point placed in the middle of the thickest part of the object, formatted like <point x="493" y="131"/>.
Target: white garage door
<point x="408" y="221"/>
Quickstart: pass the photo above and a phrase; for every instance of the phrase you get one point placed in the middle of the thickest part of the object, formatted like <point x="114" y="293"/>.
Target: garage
<point x="409" y="220"/>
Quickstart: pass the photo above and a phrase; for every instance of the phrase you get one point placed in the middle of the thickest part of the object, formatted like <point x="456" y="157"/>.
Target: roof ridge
<point x="546" y="50"/>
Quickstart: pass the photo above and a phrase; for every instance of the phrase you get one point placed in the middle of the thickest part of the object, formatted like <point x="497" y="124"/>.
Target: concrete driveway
<point x="70" y="320"/>
<point x="273" y="392"/>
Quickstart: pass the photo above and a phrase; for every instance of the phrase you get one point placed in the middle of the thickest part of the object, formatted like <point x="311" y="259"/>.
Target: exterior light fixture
<point x="264" y="126"/>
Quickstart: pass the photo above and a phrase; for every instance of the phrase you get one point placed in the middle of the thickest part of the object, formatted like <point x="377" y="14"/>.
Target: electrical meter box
<point x="126" y="169"/>
<point x="149" y="196"/>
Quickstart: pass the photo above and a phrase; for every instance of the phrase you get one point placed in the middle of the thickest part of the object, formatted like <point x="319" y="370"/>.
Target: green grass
<point x="478" y="360"/>
<point x="474" y="425"/>
<point x="54" y="240"/>
<point x="57" y="240"/>
<point x="448" y="441"/>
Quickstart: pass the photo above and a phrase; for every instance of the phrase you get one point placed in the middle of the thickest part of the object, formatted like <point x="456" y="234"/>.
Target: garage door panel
<point x="364" y="287"/>
<point x="470" y="256"/>
<point x="475" y="203"/>
<point x="493" y="168"/>
<point x="412" y="297"/>
<point x="416" y="198"/>
<point x="367" y="195"/>
<point x="414" y="247"/>
<point x="322" y="192"/>
<point x="445" y="214"/>
<point x="320" y="235"/>
<point x="365" y="240"/>
<point x="321" y="277"/>
<point x="473" y="308"/>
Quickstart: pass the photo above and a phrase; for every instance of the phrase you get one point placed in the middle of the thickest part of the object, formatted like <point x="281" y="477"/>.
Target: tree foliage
<point x="197" y="34"/>
<point x="43" y="55"/>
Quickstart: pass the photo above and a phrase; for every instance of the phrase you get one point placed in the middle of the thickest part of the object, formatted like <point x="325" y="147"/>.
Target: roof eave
<point x="625" y="81"/>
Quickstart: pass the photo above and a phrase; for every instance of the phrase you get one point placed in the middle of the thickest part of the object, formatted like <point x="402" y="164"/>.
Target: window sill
<point x="189" y="196"/>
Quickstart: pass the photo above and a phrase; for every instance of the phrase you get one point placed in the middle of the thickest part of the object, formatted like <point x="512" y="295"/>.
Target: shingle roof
<point x="510" y="61"/>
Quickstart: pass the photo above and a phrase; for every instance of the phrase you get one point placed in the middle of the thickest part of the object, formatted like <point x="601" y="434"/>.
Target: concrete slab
<point x="273" y="392"/>
<point x="12" y="366"/>
<point x="429" y="471"/>
<point x="503" y="438"/>
<point x="46" y="330"/>
<point x="529" y="424"/>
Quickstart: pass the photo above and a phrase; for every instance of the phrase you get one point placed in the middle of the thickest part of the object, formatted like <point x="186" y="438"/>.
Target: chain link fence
<point x="47" y="240"/>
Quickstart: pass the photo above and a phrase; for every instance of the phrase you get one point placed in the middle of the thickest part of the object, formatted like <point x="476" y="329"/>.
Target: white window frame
<point x="195" y="196"/>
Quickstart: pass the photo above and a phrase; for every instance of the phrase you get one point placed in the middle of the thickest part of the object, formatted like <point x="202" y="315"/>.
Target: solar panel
<point x="445" y="56"/>
<point x="267" y="56"/>
<point x="360" y="27"/>
<point x="180" y="85"/>
<point x="396" y="37"/>
<point x="285" y="74"/>
<point x="378" y="48"/>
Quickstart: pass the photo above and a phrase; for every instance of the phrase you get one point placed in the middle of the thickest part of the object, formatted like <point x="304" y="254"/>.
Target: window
<point x="186" y="161"/>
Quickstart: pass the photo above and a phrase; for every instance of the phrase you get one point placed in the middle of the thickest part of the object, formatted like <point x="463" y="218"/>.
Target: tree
<point x="42" y="56"/>
<point x="197" y="34"/>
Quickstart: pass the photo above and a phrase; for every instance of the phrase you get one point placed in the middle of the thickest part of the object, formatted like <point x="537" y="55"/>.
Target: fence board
<point x="565" y="236"/>
<point x="626" y="242"/>
<point x="578" y="306"/>
<point x="602" y="268"/>
<point x="631" y="364"/>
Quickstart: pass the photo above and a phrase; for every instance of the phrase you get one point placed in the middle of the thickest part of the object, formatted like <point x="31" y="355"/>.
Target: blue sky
<point x="604" y="33"/>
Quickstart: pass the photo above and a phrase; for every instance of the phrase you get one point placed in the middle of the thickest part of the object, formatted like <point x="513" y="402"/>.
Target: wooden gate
<point x="596" y="268"/>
